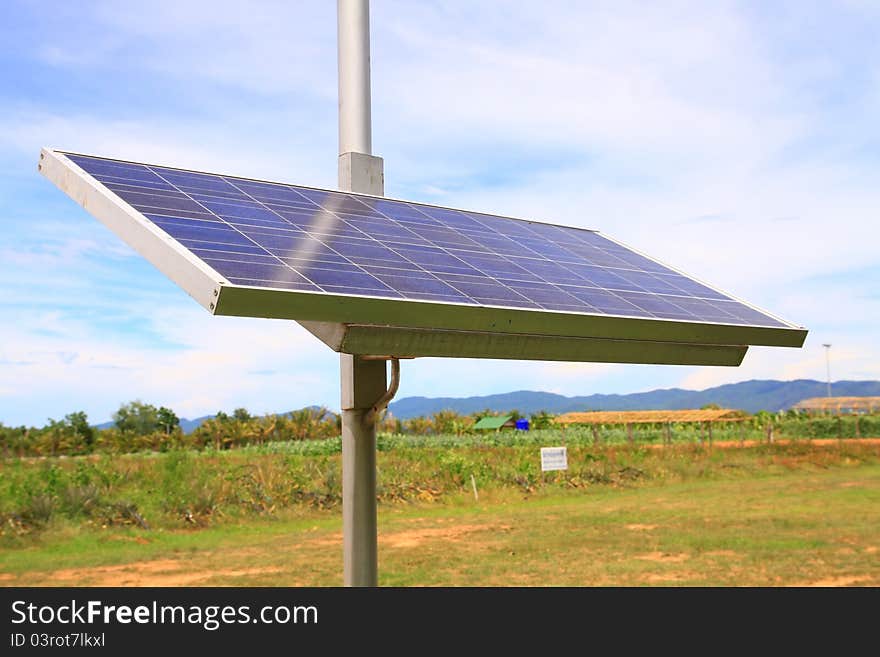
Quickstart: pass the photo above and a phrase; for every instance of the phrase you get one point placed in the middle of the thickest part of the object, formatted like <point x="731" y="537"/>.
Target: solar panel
<point x="325" y="255"/>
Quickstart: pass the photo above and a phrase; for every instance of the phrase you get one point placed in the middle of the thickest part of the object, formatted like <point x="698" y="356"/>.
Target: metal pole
<point x="354" y="76"/>
<point x="363" y="380"/>
<point x="828" y="367"/>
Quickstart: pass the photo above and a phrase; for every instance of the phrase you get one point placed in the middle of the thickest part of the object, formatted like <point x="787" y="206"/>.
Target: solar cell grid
<point x="284" y="236"/>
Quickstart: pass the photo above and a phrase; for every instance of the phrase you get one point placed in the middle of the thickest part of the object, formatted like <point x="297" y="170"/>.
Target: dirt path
<point x="189" y="572"/>
<point x="160" y="572"/>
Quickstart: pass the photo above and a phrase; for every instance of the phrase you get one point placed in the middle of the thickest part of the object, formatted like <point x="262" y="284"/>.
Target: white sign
<point x="554" y="458"/>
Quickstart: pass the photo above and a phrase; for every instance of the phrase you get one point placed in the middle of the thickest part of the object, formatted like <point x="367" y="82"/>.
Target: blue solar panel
<point x="271" y="235"/>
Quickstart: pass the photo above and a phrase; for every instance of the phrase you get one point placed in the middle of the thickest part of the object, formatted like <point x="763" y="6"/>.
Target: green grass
<point x="763" y="516"/>
<point x="188" y="489"/>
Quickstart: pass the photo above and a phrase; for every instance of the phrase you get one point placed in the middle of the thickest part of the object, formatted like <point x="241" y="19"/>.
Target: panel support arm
<point x="382" y="403"/>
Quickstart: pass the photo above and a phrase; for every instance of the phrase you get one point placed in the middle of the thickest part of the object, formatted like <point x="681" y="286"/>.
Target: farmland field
<point x="798" y="513"/>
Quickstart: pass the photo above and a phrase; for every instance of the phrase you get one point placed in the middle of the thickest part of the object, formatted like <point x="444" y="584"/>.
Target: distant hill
<point x="751" y="396"/>
<point x="188" y="426"/>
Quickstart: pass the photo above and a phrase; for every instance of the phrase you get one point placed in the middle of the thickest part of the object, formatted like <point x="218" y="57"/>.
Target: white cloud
<point x="217" y="363"/>
<point x="180" y="142"/>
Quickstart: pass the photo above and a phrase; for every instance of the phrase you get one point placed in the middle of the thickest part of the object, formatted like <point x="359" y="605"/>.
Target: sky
<point x="736" y="141"/>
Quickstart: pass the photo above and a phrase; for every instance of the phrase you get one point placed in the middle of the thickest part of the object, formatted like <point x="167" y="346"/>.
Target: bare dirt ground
<point x="160" y="572"/>
<point x="188" y="572"/>
<point x="733" y="444"/>
<point x="231" y="567"/>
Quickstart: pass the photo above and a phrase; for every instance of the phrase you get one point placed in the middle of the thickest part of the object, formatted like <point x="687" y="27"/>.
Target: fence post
<point x="595" y="434"/>
<point x="770" y="431"/>
<point x="629" y="434"/>
<point x="742" y="433"/>
<point x="710" y="433"/>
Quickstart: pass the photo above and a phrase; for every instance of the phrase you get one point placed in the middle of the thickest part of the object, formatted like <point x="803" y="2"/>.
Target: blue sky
<point x="736" y="141"/>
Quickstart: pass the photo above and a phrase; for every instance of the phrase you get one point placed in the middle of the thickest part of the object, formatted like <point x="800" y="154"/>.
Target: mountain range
<point x="751" y="396"/>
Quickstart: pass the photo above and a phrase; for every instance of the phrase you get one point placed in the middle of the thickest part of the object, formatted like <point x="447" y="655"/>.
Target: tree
<point x="264" y="428"/>
<point x="168" y="419"/>
<point x="78" y="422"/>
<point x="541" y="420"/>
<point x="310" y="423"/>
<point x="14" y="440"/>
<point x="418" y="425"/>
<point x="242" y="415"/>
<point x="446" y="421"/>
<point x="137" y="418"/>
<point x="53" y="436"/>
<point x="71" y="435"/>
